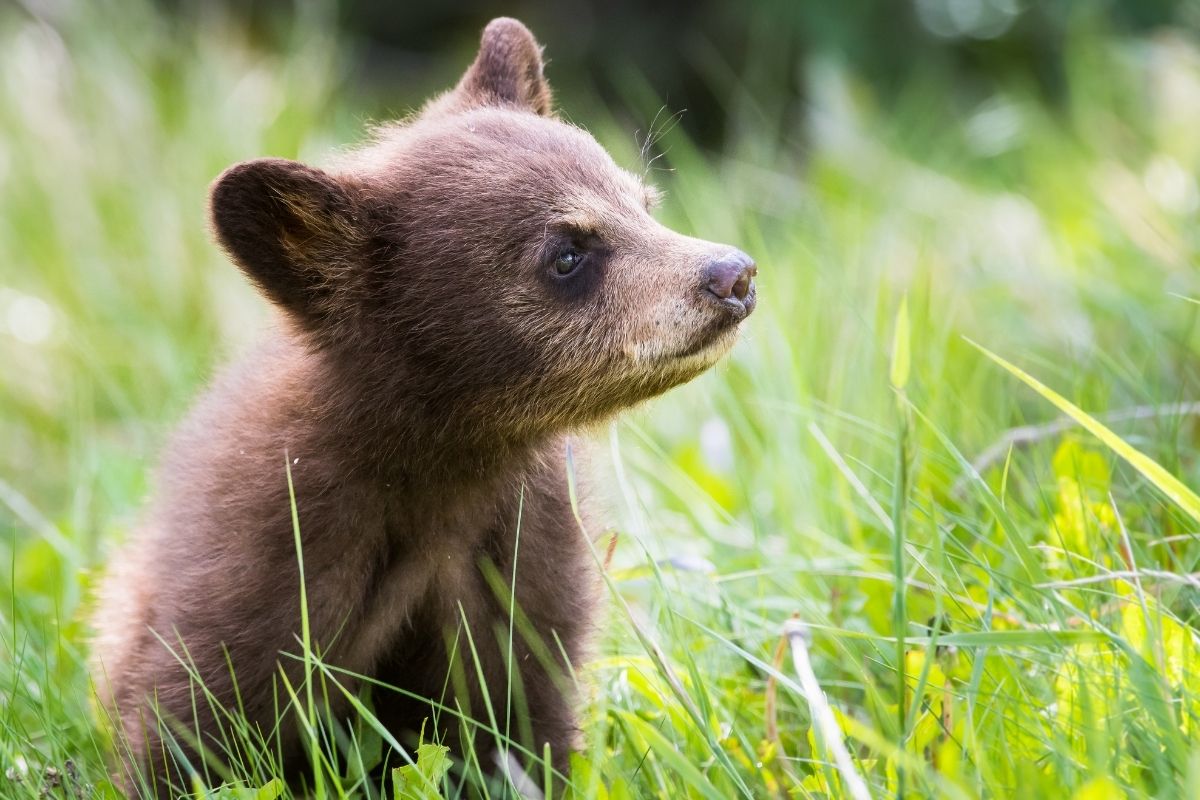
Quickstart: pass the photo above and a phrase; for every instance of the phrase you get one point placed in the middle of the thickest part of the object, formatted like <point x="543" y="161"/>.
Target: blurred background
<point x="1007" y="119"/>
<point x="1018" y="174"/>
<point x="691" y="52"/>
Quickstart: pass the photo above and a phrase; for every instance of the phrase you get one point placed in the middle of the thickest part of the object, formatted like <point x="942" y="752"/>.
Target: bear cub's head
<point x="487" y="259"/>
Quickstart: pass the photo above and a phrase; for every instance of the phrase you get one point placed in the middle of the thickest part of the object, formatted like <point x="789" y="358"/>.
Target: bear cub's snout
<point x="730" y="281"/>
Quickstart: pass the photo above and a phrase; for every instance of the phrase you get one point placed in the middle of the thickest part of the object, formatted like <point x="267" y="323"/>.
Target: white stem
<point x="517" y="776"/>
<point x="826" y="723"/>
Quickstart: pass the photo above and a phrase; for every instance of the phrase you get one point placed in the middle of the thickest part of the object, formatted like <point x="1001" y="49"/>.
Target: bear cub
<point x="457" y="295"/>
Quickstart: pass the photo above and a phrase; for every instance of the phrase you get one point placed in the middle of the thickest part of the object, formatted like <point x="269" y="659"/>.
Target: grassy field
<point x="996" y="603"/>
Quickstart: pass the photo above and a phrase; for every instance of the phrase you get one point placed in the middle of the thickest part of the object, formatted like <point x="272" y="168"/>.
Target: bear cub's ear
<point x="291" y="229"/>
<point x="507" y="71"/>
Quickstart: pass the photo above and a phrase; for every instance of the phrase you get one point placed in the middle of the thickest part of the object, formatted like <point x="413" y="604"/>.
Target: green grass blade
<point x="1167" y="483"/>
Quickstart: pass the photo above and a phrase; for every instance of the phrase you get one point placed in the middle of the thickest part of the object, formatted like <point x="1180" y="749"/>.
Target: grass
<point x="1028" y="627"/>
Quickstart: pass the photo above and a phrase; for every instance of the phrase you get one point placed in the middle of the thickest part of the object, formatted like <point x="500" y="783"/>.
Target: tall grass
<point x="1024" y="623"/>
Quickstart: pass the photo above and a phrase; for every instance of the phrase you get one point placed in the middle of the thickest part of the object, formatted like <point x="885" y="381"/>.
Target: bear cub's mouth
<point x="717" y="334"/>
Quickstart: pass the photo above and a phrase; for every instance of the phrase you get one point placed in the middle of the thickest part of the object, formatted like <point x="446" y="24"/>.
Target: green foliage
<point x="841" y="460"/>
<point x="270" y="790"/>
<point x="420" y="780"/>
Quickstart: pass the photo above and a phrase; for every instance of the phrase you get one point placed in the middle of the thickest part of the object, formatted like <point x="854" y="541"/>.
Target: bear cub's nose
<point x="730" y="279"/>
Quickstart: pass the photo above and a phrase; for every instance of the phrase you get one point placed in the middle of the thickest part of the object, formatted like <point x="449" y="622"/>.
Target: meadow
<point x="951" y="456"/>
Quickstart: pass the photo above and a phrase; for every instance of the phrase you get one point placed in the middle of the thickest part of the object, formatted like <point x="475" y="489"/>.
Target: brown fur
<point x="426" y="374"/>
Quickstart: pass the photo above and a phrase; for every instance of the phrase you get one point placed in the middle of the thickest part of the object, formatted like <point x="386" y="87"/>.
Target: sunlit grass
<point x="1048" y="634"/>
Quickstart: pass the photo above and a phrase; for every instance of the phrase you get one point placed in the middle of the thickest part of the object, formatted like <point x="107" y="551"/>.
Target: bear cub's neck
<point x="388" y="420"/>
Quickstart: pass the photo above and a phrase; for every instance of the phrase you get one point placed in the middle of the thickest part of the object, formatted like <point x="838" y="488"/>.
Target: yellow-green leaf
<point x="422" y="780"/>
<point x="1167" y="483"/>
<point x="270" y="790"/>
<point x="1099" y="789"/>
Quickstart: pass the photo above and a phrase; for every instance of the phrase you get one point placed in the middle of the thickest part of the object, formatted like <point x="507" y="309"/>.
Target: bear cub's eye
<point x="567" y="261"/>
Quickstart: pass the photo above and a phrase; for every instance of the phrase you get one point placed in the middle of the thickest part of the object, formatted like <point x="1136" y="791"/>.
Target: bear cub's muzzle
<point x="729" y="282"/>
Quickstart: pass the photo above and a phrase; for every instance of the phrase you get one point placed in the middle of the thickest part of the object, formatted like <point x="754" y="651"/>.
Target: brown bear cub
<point x="458" y="295"/>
